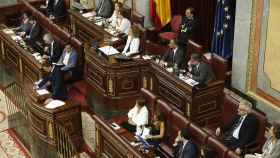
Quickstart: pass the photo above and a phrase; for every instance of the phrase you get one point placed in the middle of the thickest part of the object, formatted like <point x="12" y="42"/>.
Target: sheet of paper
<point x="145" y="133"/>
<point x="191" y="82"/>
<point x="55" y="104"/>
<point x="109" y="50"/>
<point x="115" y="126"/>
<point x="42" y="91"/>
<point x="146" y="57"/>
<point x="89" y="14"/>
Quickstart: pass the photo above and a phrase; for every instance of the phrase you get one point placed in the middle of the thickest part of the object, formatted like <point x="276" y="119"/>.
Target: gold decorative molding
<point x="188" y="110"/>
<point x="110" y="86"/>
<point x="20" y="65"/>
<point x="51" y="129"/>
<point x="251" y="45"/>
<point x="145" y="82"/>
<point x="151" y="84"/>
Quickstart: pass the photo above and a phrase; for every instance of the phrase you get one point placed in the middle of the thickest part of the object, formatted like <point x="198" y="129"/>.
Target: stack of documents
<point x="89" y="14"/>
<point x="55" y="104"/>
<point x="42" y="91"/>
<point x="191" y="82"/>
<point x="109" y="50"/>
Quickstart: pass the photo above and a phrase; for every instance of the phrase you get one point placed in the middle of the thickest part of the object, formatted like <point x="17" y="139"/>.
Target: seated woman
<point x="132" y="42"/>
<point x="208" y="152"/>
<point x="113" y="19"/>
<point x="137" y="117"/>
<point x="271" y="148"/>
<point x="157" y="129"/>
<point x="123" y="25"/>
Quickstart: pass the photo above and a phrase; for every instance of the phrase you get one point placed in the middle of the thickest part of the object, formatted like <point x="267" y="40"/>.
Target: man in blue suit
<point x="184" y="147"/>
<point x="65" y="65"/>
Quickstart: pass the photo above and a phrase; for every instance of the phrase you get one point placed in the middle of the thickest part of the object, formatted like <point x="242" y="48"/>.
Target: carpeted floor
<point x="10" y="146"/>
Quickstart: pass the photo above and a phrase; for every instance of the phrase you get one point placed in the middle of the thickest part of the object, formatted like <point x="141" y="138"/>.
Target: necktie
<point x="174" y="53"/>
<point x="181" y="151"/>
<point x="236" y="124"/>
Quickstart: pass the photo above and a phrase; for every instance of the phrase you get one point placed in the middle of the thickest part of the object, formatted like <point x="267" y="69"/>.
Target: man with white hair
<point x="53" y="50"/>
<point x="242" y="130"/>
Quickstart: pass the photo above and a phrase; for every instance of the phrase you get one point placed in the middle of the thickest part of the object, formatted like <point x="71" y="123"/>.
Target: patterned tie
<point x="236" y="124"/>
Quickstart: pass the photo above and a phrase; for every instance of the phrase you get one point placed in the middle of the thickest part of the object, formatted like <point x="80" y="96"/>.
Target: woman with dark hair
<point x="208" y="152"/>
<point x="271" y="148"/>
<point x="157" y="129"/>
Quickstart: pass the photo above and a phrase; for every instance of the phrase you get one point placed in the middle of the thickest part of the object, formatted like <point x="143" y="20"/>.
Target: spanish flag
<point x="160" y="11"/>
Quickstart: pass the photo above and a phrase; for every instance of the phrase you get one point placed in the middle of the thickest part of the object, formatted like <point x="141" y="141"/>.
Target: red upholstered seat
<point x="81" y="86"/>
<point x="150" y="98"/>
<point x="217" y="146"/>
<point x="231" y="154"/>
<point x="77" y="96"/>
<point x="197" y="134"/>
<point x="175" y="28"/>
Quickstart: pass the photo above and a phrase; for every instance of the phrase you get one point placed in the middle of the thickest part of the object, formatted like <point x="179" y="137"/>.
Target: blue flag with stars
<point x="222" y="40"/>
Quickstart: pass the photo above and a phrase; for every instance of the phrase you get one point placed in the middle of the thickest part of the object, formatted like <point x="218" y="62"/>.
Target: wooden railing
<point x="65" y="146"/>
<point x="17" y="104"/>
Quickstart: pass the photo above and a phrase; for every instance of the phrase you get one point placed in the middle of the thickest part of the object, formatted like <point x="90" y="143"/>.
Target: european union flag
<point x="222" y="41"/>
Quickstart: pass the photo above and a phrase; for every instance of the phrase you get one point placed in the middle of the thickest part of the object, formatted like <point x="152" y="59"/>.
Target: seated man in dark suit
<point x="184" y="147"/>
<point x="65" y="66"/>
<point x="242" y="130"/>
<point x="34" y="33"/>
<point x="24" y="27"/>
<point x="58" y="9"/>
<point x="199" y="70"/>
<point x="174" y="56"/>
<point x="53" y="50"/>
<point x="105" y="8"/>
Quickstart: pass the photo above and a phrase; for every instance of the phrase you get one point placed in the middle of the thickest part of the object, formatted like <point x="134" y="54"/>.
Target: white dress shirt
<point x="235" y="133"/>
<point x="131" y="46"/>
<point x="113" y="19"/>
<point x="139" y="117"/>
<point x="66" y="58"/>
<point x="124" y="25"/>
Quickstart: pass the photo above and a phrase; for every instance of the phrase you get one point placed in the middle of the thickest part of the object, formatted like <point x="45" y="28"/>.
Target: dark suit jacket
<point x="24" y="27"/>
<point x="59" y="9"/>
<point x="190" y="150"/>
<point x="179" y="58"/>
<point x="248" y="130"/>
<point x="203" y="74"/>
<point x="187" y="28"/>
<point x="55" y="55"/>
<point x="34" y="32"/>
<point x="105" y="8"/>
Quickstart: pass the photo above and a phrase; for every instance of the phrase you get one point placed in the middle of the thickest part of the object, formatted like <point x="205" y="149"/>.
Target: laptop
<point x="144" y="142"/>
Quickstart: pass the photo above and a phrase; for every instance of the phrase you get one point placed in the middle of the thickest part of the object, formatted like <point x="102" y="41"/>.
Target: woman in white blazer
<point x="133" y="42"/>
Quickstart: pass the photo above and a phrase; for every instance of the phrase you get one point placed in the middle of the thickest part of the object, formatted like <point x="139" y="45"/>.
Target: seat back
<point x="197" y="135"/>
<point x="175" y="122"/>
<point x="220" y="66"/>
<point x="193" y="47"/>
<point x="176" y="23"/>
<point x="260" y="138"/>
<point x="217" y="146"/>
<point x="150" y="98"/>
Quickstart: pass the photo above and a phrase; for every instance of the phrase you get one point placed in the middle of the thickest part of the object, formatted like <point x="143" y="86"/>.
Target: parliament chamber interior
<point x="139" y="79"/>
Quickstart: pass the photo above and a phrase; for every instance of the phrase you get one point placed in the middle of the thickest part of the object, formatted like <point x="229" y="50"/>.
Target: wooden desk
<point x="86" y="30"/>
<point x="199" y="105"/>
<point x="114" y="80"/>
<point x="111" y="144"/>
<point x="46" y="123"/>
<point x="19" y="59"/>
